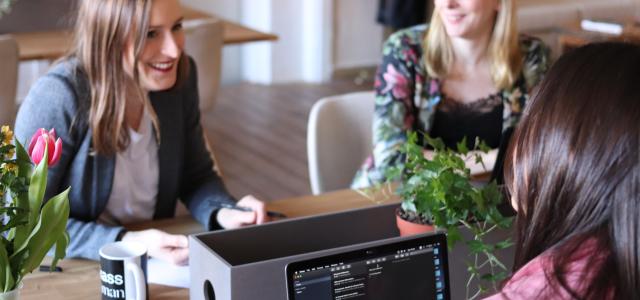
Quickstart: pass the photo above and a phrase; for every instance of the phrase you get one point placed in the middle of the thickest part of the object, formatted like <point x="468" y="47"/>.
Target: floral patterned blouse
<point x="406" y="98"/>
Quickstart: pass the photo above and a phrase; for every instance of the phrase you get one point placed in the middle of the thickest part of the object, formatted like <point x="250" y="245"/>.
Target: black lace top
<point x="454" y="120"/>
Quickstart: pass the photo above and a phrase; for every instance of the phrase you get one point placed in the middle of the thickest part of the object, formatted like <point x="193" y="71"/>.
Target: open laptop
<point x="416" y="268"/>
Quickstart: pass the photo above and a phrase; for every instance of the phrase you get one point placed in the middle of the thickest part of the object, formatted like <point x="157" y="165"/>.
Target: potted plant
<point x="28" y="228"/>
<point x="438" y="192"/>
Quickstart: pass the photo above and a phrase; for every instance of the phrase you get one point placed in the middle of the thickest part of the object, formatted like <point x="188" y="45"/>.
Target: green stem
<point x="475" y="295"/>
<point x="473" y="274"/>
<point x="465" y="224"/>
<point x="492" y="264"/>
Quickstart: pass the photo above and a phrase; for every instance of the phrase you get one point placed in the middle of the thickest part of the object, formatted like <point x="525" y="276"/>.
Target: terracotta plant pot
<point x="409" y="228"/>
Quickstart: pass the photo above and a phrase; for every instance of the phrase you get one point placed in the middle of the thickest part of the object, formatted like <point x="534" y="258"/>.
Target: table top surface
<point x="80" y="278"/>
<point x="53" y="44"/>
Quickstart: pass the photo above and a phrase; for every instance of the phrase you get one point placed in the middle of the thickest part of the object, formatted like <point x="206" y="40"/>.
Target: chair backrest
<point x="8" y="79"/>
<point x="338" y="139"/>
<point x="204" y="41"/>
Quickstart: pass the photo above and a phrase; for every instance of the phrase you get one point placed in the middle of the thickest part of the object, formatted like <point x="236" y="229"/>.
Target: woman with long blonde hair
<point x="125" y="103"/>
<point x="466" y="73"/>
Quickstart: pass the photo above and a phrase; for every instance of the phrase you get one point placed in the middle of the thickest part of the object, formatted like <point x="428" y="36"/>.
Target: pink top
<point x="530" y="282"/>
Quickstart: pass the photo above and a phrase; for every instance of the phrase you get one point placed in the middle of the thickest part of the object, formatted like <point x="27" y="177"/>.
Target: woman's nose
<point x="450" y="3"/>
<point x="171" y="46"/>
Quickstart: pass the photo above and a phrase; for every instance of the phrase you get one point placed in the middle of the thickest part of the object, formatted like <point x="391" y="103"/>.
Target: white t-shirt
<point x="135" y="179"/>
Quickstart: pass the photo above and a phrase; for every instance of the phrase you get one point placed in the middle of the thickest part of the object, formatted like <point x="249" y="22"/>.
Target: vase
<point x="407" y="228"/>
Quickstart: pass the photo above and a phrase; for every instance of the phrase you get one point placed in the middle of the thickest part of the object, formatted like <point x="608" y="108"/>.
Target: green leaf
<point x="476" y="246"/>
<point x="23" y="160"/>
<point x="393" y="173"/>
<point x="4" y="261"/>
<point x="10" y="282"/>
<point x="495" y="260"/>
<point x="500" y="276"/>
<point x="436" y="143"/>
<point x="488" y="277"/>
<point x="13" y="217"/>
<point x="483" y="146"/>
<point x="408" y="206"/>
<point x="504" y="244"/>
<point x="55" y="214"/>
<point x="453" y="236"/>
<point x="61" y="249"/>
<point x="6" y="276"/>
<point x="462" y="146"/>
<point x="37" y="188"/>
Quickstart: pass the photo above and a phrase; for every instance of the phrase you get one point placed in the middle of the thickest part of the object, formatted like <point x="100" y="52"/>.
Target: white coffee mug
<point x="123" y="271"/>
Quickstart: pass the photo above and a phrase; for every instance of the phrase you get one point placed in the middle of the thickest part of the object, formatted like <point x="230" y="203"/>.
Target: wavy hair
<point x="103" y="29"/>
<point x="574" y="173"/>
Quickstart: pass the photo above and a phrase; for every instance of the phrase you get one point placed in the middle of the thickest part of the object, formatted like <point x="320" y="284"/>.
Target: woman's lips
<point x="162" y="67"/>
<point x="454" y="19"/>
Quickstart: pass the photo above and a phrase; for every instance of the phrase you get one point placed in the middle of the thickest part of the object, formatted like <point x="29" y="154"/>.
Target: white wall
<point x="256" y="57"/>
<point x="315" y="38"/>
<point x="286" y="53"/>
<point x="317" y="49"/>
<point x="303" y="49"/>
<point x="358" y="38"/>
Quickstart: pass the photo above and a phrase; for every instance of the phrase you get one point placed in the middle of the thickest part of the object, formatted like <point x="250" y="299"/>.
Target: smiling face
<point x="467" y="18"/>
<point x="158" y="61"/>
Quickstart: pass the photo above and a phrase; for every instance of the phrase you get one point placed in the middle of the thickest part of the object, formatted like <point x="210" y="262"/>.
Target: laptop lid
<point x="416" y="268"/>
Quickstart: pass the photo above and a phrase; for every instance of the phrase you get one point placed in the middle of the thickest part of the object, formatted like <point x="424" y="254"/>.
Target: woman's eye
<point x="152" y="34"/>
<point x="177" y="27"/>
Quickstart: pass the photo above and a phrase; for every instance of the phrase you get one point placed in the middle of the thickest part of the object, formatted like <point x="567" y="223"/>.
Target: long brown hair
<point x="573" y="170"/>
<point x="504" y="50"/>
<point x="103" y="29"/>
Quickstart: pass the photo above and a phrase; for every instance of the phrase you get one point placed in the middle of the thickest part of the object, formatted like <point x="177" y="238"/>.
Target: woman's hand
<point x="231" y="218"/>
<point x="489" y="160"/>
<point x="173" y="248"/>
<point x="428" y="154"/>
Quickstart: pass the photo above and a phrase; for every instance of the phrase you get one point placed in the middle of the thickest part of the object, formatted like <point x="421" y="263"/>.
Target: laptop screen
<point x="410" y="269"/>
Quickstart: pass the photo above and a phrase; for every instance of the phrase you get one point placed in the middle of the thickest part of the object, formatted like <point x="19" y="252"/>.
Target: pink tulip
<point x="41" y="140"/>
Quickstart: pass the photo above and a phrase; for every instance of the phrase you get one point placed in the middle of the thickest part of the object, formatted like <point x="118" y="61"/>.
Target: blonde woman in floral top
<point x="468" y="73"/>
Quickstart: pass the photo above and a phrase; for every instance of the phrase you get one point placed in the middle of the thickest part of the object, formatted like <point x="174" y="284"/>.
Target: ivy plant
<point x="439" y="191"/>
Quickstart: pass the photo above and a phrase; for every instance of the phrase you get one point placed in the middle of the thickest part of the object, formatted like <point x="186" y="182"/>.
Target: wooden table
<point x="80" y="279"/>
<point x="53" y="44"/>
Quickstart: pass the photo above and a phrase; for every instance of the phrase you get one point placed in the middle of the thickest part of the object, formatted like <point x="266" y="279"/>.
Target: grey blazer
<point x="60" y="100"/>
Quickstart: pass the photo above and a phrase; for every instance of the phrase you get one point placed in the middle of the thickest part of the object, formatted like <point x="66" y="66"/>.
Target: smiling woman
<point x="125" y="98"/>
<point x="158" y="60"/>
<point x="465" y="74"/>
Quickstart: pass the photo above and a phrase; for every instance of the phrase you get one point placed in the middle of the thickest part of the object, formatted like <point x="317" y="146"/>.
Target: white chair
<point x="8" y="79"/>
<point x="338" y="139"/>
<point x="204" y="41"/>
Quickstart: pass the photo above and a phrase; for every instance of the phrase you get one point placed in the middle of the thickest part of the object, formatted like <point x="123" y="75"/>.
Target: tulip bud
<point x="42" y="140"/>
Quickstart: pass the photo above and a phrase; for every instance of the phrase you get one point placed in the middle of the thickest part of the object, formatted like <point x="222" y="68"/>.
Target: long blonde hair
<point x="504" y="51"/>
<point x="103" y="29"/>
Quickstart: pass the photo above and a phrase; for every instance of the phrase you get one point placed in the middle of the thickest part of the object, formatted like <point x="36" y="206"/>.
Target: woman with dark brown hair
<point x="573" y="173"/>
